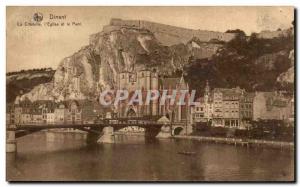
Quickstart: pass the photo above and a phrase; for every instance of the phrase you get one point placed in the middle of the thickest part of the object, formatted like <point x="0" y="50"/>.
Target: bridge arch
<point x="132" y="129"/>
<point x="131" y="113"/>
<point x="168" y="116"/>
<point x="178" y="131"/>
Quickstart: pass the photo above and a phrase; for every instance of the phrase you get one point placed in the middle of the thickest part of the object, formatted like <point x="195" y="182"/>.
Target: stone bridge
<point x="95" y="130"/>
<point x="103" y="129"/>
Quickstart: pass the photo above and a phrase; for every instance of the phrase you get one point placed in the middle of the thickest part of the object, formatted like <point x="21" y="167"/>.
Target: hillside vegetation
<point x="251" y="63"/>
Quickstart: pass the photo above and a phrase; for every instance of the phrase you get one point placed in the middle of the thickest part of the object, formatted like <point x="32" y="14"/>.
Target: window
<point x="227" y="123"/>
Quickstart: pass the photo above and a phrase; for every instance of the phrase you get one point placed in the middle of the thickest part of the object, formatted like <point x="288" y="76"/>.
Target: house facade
<point x="198" y="111"/>
<point x="60" y="113"/>
<point x="73" y="114"/>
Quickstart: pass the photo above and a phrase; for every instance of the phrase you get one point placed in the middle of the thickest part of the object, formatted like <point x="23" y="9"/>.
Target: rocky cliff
<point x="288" y="76"/>
<point x="115" y="49"/>
<point x="18" y="83"/>
<point x="225" y="60"/>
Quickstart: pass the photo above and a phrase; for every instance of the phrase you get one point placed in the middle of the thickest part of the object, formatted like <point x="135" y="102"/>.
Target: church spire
<point x="207" y="88"/>
<point x="207" y="92"/>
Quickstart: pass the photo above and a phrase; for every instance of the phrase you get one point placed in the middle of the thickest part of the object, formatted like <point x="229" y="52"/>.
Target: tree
<point x="239" y="32"/>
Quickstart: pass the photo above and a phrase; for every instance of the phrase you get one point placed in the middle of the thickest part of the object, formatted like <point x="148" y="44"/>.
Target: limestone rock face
<point x="288" y="76"/>
<point x="75" y="75"/>
<point x="40" y="92"/>
<point x="117" y="48"/>
<point x="18" y="83"/>
<point x="134" y="45"/>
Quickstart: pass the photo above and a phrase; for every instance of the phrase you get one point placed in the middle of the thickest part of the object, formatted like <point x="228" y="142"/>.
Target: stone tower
<point x="154" y="86"/>
<point x="144" y="84"/>
<point x="206" y="92"/>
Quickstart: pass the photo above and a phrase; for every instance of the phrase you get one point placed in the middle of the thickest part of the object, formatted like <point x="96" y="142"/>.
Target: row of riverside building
<point x="24" y="111"/>
<point x="236" y="108"/>
<point x="50" y="112"/>
<point x="223" y="107"/>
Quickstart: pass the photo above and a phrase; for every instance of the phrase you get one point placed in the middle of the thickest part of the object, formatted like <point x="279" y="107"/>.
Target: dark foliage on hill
<point x="21" y="82"/>
<point x="251" y="63"/>
<point x="41" y="70"/>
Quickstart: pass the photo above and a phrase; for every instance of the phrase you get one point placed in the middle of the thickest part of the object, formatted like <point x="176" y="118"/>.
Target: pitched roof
<point x="229" y="91"/>
<point x="163" y="120"/>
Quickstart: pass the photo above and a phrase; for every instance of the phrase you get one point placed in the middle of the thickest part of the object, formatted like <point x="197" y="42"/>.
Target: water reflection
<point x="69" y="158"/>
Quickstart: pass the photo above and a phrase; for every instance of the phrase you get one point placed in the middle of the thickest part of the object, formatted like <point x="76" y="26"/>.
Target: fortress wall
<point x="205" y="51"/>
<point x="178" y="34"/>
<point x="272" y="34"/>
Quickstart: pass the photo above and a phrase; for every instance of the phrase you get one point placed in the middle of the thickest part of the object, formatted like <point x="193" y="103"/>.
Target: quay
<point x="240" y="141"/>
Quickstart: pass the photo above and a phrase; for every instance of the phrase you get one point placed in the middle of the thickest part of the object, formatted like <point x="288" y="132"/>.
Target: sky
<point x="29" y="47"/>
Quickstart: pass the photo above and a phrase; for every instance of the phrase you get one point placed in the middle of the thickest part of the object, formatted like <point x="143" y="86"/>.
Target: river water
<point x="67" y="157"/>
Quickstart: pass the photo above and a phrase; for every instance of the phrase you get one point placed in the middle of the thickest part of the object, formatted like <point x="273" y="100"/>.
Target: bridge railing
<point x="129" y="122"/>
<point x="138" y="122"/>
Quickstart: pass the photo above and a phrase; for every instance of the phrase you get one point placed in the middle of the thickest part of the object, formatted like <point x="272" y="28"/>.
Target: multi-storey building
<point x="224" y="107"/>
<point x="198" y="111"/>
<point x="218" y="108"/>
<point x="231" y="113"/>
<point x="10" y="114"/>
<point x="47" y="107"/>
<point x="203" y="110"/>
<point x="233" y="107"/>
<point x="22" y="111"/>
<point x="50" y="112"/>
<point x="246" y="108"/>
<point x="37" y="116"/>
<point x="26" y="117"/>
<point x="60" y="113"/>
<point x="50" y="117"/>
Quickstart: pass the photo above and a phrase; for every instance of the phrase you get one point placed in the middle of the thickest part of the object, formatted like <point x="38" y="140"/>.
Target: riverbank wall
<point x="240" y="142"/>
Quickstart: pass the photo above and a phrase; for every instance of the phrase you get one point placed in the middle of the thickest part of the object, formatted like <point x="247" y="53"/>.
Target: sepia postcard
<point x="152" y="94"/>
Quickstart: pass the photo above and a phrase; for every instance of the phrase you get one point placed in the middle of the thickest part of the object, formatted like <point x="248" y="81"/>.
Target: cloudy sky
<point x="37" y="47"/>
